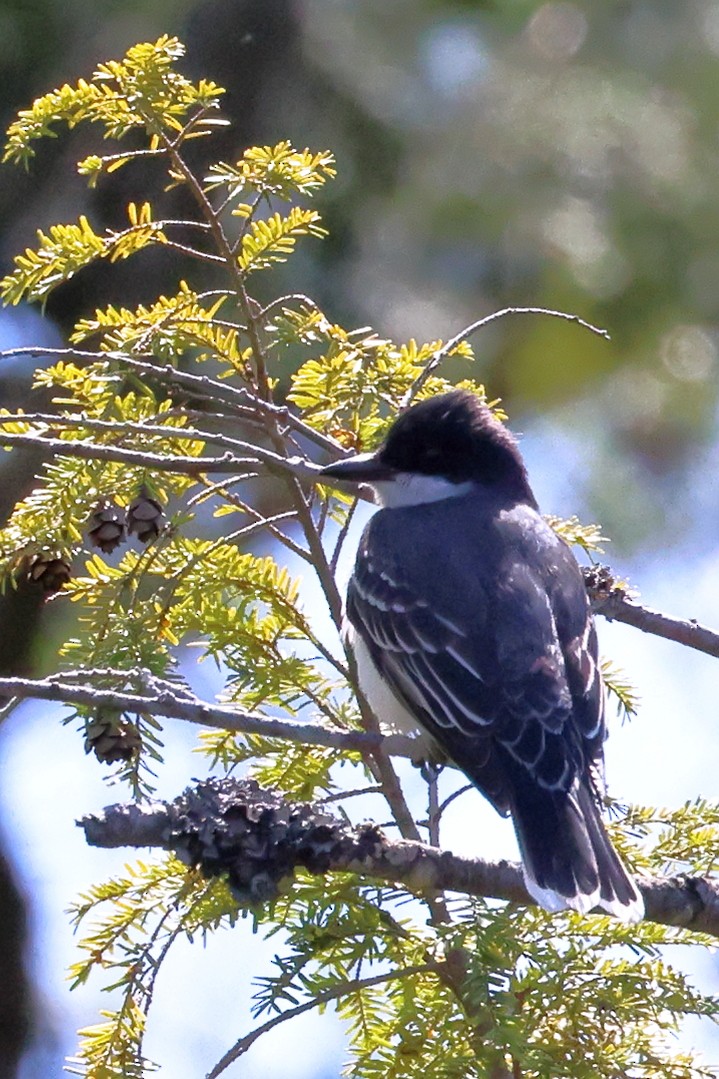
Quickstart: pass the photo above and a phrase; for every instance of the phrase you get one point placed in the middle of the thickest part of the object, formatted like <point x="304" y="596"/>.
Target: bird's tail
<point x="567" y="856"/>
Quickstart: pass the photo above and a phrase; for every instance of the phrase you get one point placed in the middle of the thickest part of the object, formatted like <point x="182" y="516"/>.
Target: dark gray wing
<point x="498" y="665"/>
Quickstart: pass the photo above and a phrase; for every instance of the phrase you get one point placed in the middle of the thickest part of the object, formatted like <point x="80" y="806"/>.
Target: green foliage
<point x="272" y="240"/>
<point x="494" y="986"/>
<point x="356" y="385"/>
<point x="143" y="913"/>
<point x="279" y="171"/>
<point x="144" y="90"/>
<point x="69" y="248"/>
<point x="621" y="688"/>
<point x="588" y="537"/>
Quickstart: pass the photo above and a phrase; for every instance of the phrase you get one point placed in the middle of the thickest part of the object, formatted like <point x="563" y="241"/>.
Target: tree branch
<point x="342" y="989"/>
<point x="200" y="385"/>
<point x="610" y="598"/>
<point x="275" y="837"/>
<point x="192" y="466"/>
<point x="161" y="700"/>
<point x="441" y="353"/>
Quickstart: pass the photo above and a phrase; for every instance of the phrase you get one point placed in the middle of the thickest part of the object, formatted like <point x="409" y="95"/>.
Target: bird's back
<point x="475" y="614"/>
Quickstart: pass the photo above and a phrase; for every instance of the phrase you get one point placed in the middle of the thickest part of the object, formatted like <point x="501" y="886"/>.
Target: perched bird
<point x="469" y="619"/>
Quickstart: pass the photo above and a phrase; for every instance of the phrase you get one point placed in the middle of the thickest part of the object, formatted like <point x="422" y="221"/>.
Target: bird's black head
<point x="457" y="437"/>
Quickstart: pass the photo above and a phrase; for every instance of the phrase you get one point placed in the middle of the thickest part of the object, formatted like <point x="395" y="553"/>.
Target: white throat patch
<point x="413" y="489"/>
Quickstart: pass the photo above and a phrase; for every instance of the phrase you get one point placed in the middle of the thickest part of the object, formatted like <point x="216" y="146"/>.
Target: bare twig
<point x="453" y="797"/>
<point x="193" y="252"/>
<point x="688" y="632"/>
<point x="190" y="466"/>
<point x="611" y="598"/>
<point x="340" y="796"/>
<point x="342" y="535"/>
<point x="296" y="297"/>
<point x="342" y="989"/>
<point x="449" y="346"/>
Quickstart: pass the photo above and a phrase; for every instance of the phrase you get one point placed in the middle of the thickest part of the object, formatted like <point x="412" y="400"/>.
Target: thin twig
<point x="449" y="346"/>
<point x="452" y="797"/>
<point x="293" y="296"/>
<point x="191" y="709"/>
<point x="191" y="466"/>
<point x="342" y="989"/>
<point x="342" y="535"/>
<point x="340" y="796"/>
<point x="193" y="252"/>
<point x="182" y="223"/>
<point x="245" y="507"/>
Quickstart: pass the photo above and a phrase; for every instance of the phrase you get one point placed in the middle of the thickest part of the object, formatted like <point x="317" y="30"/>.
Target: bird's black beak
<point x="364" y="468"/>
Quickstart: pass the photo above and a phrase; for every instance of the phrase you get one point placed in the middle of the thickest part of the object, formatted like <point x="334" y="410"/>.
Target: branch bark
<point x="191" y="466"/>
<point x="258" y="839"/>
<point x="611" y="599"/>
<point x="161" y="701"/>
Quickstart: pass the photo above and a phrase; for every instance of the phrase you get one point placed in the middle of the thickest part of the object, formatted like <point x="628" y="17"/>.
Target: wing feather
<point x="514" y="680"/>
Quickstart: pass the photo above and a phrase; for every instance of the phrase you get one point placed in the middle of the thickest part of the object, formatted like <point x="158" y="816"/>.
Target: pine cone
<point x="107" y="526"/>
<point x="50" y="573"/>
<point x="110" y="737"/>
<point x="145" y="517"/>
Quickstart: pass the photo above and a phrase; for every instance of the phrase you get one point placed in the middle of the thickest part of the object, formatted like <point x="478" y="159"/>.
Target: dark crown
<point x="455" y="435"/>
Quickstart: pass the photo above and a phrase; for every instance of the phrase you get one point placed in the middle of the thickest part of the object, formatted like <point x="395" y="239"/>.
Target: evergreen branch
<point x="192" y="434"/>
<point x="200" y="385"/>
<point x="162" y="700"/>
<point x="190" y="466"/>
<point x="327" y="996"/>
<point x="250" y="313"/>
<point x="322" y="843"/>
<point x="449" y="346"/>
<point x="227" y="256"/>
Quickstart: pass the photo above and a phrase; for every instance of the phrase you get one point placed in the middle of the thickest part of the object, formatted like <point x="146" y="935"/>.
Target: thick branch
<point x="257" y="839"/>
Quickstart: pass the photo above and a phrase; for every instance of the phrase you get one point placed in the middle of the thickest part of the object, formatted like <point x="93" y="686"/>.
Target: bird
<point x="470" y="623"/>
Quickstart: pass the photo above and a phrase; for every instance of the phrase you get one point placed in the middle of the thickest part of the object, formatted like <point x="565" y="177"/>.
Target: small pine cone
<point x="110" y="737"/>
<point x="106" y="527"/>
<point x="50" y="573"/>
<point x="145" y="517"/>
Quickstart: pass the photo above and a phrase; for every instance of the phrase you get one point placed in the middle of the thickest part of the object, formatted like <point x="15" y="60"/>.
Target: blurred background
<point x="562" y="154"/>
